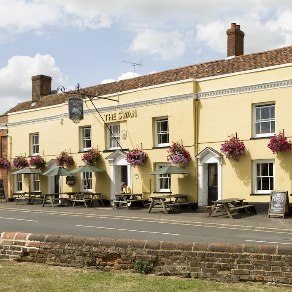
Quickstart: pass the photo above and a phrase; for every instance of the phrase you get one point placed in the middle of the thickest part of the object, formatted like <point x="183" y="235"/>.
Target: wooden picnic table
<point x="126" y="199"/>
<point x="87" y="198"/>
<point x="27" y="197"/>
<point x="62" y="199"/>
<point x="169" y="202"/>
<point x="230" y="206"/>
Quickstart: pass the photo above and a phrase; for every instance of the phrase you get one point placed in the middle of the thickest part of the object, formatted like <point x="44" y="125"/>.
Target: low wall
<point x="223" y="262"/>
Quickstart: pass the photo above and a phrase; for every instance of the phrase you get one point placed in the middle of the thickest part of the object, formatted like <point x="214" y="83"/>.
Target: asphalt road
<point x="57" y="221"/>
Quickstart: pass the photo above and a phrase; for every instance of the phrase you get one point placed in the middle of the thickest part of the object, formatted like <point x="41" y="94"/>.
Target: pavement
<point x="261" y="221"/>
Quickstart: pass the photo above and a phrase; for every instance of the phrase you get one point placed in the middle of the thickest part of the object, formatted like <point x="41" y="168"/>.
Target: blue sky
<point x="95" y="41"/>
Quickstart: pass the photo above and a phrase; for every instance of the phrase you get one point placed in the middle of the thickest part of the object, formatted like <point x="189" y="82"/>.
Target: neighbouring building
<point x="200" y="106"/>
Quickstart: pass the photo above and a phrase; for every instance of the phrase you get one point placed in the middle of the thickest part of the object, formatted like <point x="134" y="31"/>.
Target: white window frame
<point x="160" y="177"/>
<point x="35" y="145"/>
<point x="255" y="176"/>
<point x="85" y="140"/>
<point x="269" y="120"/>
<point x="86" y="181"/>
<point x="35" y="182"/>
<point x="113" y="136"/>
<point x="18" y="183"/>
<point x="158" y="132"/>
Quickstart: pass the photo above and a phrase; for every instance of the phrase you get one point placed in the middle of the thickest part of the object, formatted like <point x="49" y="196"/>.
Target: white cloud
<point x="213" y="35"/>
<point x="167" y="45"/>
<point x="123" y="76"/>
<point x="15" y="78"/>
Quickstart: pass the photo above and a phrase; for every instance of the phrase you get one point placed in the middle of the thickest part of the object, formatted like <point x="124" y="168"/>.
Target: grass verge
<point x="28" y="277"/>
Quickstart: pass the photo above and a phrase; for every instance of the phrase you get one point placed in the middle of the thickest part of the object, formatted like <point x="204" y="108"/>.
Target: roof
<point x="202" y="70"/>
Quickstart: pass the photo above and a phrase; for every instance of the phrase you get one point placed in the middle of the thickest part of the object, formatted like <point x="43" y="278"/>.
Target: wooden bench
<point x="249" y="209"/>
<point x="177" y="205"/>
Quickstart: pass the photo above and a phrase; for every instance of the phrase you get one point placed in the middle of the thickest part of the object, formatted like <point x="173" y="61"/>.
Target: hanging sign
<point x="75" y="108"/>
<point x="279" y="204"/>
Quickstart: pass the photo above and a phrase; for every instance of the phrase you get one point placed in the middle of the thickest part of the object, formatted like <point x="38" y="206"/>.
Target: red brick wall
<point x="216" y="261"/>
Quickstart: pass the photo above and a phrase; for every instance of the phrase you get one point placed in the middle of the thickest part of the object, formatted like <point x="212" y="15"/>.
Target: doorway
<point x="212" y="182"/>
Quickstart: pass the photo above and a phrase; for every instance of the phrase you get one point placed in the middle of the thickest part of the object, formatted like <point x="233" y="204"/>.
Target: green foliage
<point x="143" y="267"/>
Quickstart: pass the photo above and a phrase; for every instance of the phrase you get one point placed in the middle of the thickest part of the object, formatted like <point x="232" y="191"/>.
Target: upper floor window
<point x="18" y="183"/>
<point x="86" y="181"/>
<point x="264" y="120"/>
<point x="85" y="134"/>
<point x="114" y="136"/>
<point x="264" y="176"/>
<point x="163" y="181"/>
<point x="162" y="132"/>
<point x="34" y="143"/>
<point x="35" y="182"/>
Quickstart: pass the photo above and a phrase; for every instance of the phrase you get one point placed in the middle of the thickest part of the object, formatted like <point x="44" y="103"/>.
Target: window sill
<point x="265" y="137"/>
<point x="113" y="150"/>
<point x="260" y="194"/>
<point x="162" y="192"/>
<point x="160" y="147"/>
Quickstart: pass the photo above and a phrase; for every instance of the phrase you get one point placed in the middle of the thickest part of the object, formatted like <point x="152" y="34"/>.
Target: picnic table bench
<point x="230" y="206"/>
<point x="127" y="200"/>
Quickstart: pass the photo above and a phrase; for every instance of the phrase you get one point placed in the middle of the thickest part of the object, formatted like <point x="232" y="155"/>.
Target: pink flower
<point x="65" y="159"/>
<point x="20" y="162"/>
<point x="178" y="154"/>
<point x="5" y="163"/>
<point x="233" y="148"/>
<point x="279" y="143"/>
<point x="91" y="157"/>
<point x="136" y="157"/>
<point x="37" y="161"/>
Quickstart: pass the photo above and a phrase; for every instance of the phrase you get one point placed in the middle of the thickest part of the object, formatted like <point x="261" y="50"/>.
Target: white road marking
<point x="18" y="219"/>
<point x="270" y="242"/>
<point x="129" y="230"/>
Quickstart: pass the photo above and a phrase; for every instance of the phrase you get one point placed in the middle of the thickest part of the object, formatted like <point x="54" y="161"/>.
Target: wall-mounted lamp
<point x="136" y="176"/>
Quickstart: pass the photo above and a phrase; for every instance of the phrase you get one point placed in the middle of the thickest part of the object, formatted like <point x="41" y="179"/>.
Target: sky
<point x="90" y="42"/>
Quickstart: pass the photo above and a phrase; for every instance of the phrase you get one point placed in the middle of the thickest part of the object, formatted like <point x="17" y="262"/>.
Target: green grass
<point x="27" y="277"/>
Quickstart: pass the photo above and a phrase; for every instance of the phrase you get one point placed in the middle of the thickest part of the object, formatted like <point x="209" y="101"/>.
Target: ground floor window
<point x="35" y="177"/>
<point x="264" y="176"/>
<point x="18" y="183"/>
<point x="163" y="181"/>
<point x="86" y="181"/>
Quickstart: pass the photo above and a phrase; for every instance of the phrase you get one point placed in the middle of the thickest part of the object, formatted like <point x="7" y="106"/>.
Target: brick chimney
<point x="41" y="86"/>
<point x="235" y="44"/>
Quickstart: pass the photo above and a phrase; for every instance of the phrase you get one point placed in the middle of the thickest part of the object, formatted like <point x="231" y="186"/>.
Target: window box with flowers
<point x="5" y="163"/>
<point x="64" y="159"/>
<point x="279" y="143"/>
<point x="91" y="157"/>
<point x="178" y="154"/>
<point x="233" y="148"/>
<point x="37" y="161"/>
<point x="20" y="162"/>
<point x="136" y="157"/>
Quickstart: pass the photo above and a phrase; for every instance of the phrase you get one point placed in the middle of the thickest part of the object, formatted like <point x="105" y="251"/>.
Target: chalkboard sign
<point x="279" y="204"/>
<point x="2" y="191"/>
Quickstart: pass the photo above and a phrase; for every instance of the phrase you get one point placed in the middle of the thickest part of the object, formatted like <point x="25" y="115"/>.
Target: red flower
<point x="233" y="148"/>
<point x="279" y="143"/>
<point x="178" y="154"/>
<point x="91" y="157"/>
<point x="136" y="157"/>
<point x="65" y="159"/>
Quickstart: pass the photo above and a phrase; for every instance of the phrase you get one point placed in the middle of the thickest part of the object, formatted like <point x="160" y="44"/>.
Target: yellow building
<point x="200" y="106"/>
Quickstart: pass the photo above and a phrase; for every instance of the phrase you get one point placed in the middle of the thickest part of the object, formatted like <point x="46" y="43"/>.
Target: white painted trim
<point x="206" y="157"/>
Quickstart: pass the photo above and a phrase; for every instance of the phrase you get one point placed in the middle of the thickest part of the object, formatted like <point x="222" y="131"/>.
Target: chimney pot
<point x="235" y="40"/>
<point x="41" y="86"/>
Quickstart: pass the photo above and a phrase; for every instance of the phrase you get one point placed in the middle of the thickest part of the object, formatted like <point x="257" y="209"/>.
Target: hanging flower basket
<point x="233" y="148"/>
<point x="178" y="154"/>
<point x="279" y="143"/>
<point x="136" y="157"/>
<point x="37" y="161"/>
<point x="5" y="164"/>
<point x="64" y="159"/>
<point x="20" y="162"/>
<point x="91" y="157"/>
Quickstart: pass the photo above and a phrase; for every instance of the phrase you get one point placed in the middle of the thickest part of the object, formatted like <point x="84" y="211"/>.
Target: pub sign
<point x="75" y="108"/>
